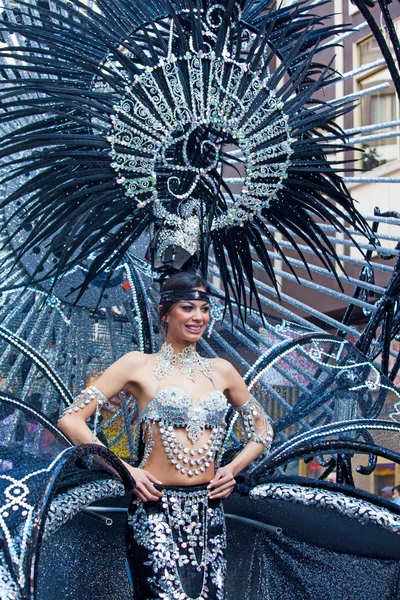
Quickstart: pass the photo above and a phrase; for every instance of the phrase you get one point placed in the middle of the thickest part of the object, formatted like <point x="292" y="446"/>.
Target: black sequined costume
<point x="176" y="545"/>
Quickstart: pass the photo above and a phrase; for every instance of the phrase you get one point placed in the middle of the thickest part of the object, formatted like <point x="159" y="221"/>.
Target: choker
<point x="189" y="361"/>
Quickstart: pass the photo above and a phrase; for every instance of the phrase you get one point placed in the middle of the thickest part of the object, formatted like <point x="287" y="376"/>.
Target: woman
<point x="176" y="529"/>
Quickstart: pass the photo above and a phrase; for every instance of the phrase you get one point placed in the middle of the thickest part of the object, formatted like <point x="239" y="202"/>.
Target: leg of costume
<point x="176" y="546"/>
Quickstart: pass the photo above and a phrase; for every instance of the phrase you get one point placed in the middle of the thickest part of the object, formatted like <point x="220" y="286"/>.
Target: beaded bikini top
<point x="174" y="407"/>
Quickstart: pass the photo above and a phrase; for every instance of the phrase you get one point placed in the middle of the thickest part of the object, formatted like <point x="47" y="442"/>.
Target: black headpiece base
<point x="178" y="295"/>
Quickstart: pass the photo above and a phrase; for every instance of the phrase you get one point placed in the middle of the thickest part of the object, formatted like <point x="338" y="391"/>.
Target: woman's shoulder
<point x="227" y="378"/>
<point x="222" y="366"/>
<point x="136" y="359"/>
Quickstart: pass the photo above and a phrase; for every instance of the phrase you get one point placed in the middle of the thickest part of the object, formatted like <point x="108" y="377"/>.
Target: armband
<point x="256" y="423"/>
<point x="83" y="399"/>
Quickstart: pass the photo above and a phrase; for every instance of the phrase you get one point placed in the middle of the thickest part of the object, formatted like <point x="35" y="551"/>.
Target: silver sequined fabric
<point x="176" y="546"/>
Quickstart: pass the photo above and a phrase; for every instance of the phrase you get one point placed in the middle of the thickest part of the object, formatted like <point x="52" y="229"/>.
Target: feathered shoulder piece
<point x="197" y="121"/>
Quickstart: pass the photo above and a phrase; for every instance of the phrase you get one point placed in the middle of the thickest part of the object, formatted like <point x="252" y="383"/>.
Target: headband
<point x="177" y="295"/>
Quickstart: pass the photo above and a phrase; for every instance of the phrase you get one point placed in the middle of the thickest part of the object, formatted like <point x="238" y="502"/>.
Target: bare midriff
<point x="159" y="465"/>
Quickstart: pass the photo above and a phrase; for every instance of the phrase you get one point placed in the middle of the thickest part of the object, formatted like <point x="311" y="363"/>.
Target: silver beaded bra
<point x="172" y="407"/>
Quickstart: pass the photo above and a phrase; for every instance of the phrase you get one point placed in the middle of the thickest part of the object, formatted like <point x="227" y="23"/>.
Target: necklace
<point x="189" y="361"/>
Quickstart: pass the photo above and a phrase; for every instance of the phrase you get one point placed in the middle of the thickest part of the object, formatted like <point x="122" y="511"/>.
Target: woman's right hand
<point x="144" y="488"/>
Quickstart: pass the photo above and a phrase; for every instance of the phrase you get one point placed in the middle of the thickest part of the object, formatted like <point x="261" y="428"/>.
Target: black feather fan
<point x="195" y="120"/>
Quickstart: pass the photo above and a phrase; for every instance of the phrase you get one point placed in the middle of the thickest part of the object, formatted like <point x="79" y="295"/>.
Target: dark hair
<point x="397" y="488"/>
<point x="184" y="281"/>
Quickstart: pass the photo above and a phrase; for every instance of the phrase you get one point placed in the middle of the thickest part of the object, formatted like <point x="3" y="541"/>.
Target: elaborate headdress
<point x="196" y="121"/>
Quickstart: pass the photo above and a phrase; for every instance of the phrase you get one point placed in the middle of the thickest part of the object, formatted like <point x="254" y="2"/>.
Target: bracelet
<point x="83" y="399"/>
<point x="256" y="423"/>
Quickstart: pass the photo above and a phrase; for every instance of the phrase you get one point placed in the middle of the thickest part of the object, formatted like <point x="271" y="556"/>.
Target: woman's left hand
<point x="222" y="484"/>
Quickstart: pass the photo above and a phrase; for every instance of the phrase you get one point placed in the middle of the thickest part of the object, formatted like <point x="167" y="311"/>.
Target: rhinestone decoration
<point x="255" y="422"/>
<point x="83" y="399"/>
<point x="221" y="92"/>
<point x="172" y="407"/>
<point x="190" y="363"/>
<point x="18" y="501"/>
<point x="185" y="533"/>
<point x="65" y="506"/>
<point x="354" y="508"/>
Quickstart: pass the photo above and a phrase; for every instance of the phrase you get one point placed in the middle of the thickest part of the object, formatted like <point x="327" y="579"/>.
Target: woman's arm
<point x="109" y="384"/>
<point x="257" y="428"/>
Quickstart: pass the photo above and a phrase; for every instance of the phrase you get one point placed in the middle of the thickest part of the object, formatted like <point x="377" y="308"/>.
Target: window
<point x="378" y="107"/>
<point x="369" y="51"/>
<point x="353" y="9"/>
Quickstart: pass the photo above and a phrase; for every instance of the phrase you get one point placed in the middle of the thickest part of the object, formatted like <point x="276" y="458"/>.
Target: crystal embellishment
<point x="255" y="423"/>
<point x="189" y="361"/>
<point x="215" y="109"/>
<point x="172" y="407"/>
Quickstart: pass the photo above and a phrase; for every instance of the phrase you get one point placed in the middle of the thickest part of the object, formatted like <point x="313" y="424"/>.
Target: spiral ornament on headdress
<point x="221" y="91"/>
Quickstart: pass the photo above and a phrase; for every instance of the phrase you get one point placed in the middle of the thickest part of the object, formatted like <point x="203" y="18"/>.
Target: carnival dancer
<point x="176" y="530"/>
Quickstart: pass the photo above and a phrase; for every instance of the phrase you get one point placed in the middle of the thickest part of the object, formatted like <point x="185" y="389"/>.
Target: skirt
<point x="176" y="546"/>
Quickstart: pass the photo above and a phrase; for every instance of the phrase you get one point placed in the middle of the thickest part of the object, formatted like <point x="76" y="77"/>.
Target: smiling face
<point x="187" y="320"/>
